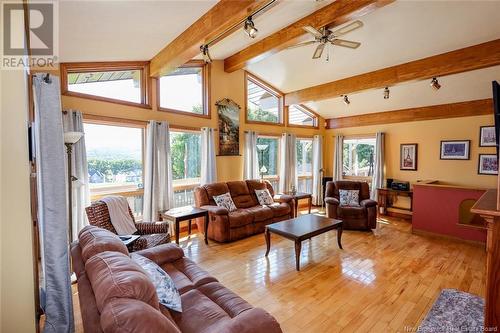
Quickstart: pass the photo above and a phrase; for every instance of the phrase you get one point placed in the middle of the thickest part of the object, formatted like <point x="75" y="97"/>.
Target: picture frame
<point x="487" y="136"/>
<point x="487" y="164"/>
<point x="408" y="156"/>
<point x="455" y="150"/>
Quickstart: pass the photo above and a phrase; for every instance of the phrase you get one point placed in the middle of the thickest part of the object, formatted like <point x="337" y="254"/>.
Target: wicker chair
<point x="152" y="233"/>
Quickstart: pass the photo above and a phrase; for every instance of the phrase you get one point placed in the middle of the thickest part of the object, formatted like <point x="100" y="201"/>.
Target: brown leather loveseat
<point x="363" y="217"/>
<point x="116" y="294"/>
<point x="250" y="218"/>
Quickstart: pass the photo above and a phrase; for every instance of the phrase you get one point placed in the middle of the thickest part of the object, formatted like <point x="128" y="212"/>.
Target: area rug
<point x="454" y="311"/>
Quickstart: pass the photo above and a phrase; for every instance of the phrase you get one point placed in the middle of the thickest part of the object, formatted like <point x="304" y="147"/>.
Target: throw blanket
<point x="120" y="217"/>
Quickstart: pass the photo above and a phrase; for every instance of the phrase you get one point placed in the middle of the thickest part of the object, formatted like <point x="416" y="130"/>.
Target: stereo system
<point x="398" y="185"/>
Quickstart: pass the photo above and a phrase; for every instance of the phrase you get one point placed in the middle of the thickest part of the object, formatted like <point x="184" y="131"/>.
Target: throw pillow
<point x="349" y="198"/>
<point x="264" y="197"/>
<point x="165" y="288"/>
<point x="225" y="200"/>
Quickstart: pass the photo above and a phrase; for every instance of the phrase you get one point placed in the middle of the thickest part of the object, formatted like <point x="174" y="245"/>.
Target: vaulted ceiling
<point x="397" y="33"/>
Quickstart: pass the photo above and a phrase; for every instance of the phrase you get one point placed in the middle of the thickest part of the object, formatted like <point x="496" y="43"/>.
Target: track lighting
<point x="435" y="83"/>
<point x="346" y="100"/>
<point x="250" y="28"/>
<point x="386" y="93"/>
<point x="206" y="55"/>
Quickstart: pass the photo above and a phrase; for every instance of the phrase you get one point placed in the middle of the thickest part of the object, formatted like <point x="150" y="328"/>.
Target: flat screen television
<point x="496" y="110"/>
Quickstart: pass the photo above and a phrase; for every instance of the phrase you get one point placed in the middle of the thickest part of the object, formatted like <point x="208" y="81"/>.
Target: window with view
<point x="301" y="116"/>
<point x="358" y="157"/>
<point x="304" y="165"/>
<point x="263" y="104"/>
<point x="268" y="154"/>
<point x="183" y="90"/>
<point x="186" y="165"/>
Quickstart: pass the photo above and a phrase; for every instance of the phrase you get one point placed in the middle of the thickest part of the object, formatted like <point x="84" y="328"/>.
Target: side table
<point x="186" y="213"/>
<point x="298" y="196"/>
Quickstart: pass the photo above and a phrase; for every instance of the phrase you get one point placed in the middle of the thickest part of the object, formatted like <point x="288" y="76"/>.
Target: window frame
<point x="205" y="84"/>
<point x="270" y="89"/>
<point x="181" y="183"/>
<point x="304" y="176"/>
<point x="307" y="111"/>
<point x="278" y="161"/>
<point x="357" y="137"/>
<point x="75" y="67"/>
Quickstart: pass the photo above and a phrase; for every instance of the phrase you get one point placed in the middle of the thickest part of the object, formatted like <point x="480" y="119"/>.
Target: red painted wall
<point x="436" y="208"/>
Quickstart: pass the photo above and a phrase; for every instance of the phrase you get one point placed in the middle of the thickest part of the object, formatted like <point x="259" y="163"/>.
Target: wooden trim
<point x="206" y="84"/>
<point x="313" y="114"/>
<point x="220" y="18"/>
<point x="112" y="121"/>
<point x="266" y="86"/>
<point x="339" y="12"/>
<point x="179" y="128"/>
<point x="75" y="67"/>
<point x="443" y="111"/>
<point x="457" y="61"/>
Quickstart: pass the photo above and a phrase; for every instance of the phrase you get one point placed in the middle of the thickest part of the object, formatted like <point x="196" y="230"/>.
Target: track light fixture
<point x="386" y="93"/>
<point x="250" y="28"/>
<point x="435" y="83"/>
<point x="206" y="55"/>
<point x="346" y="100"/>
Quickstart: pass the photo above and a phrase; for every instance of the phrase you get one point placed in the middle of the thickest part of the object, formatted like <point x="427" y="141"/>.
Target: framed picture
<point x="487" y="136"/>
<point x="408" y="156"/>
<point x="229" y="127"/>
<point x="488" y="164"/>
<point x="455" y="150"/>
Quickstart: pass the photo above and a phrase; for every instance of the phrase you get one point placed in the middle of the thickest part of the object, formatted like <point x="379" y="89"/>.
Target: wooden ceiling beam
<point x="337" y="13"/>
<point x="220" y="18"/>
<point x="452" y="110"/>
<point x="458" y="61"/>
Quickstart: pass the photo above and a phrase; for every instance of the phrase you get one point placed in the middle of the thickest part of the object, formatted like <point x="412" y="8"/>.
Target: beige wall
<point x="230" y="85"/>
<point x="17" y="286"/>
<point x="428" y="135"/>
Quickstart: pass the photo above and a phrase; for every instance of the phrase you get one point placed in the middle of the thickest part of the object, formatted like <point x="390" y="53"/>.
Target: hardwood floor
<point x="383" y="282"/>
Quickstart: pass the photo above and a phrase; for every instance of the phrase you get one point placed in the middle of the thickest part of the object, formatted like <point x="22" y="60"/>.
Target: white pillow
<point x="264" y="197"/>
<point x="225" y="200"/>
<point x="349" y="198"/>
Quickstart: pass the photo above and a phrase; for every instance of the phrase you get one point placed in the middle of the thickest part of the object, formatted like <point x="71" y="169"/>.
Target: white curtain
<point x="158" y="189"/>
<point x="288" y="162"/>
<point x="317" y="170"/>
<point x="208" y="166"/>
<point x="378" y="169"/>
<point x="73" y="122"/>
<point x="337" y="158"/>
<point x="251" y="166"/>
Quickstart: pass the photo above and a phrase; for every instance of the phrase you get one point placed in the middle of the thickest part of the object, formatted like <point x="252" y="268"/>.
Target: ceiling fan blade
<point x="301" y="44"/>
<point x="319" y="51"/>
<point x="312" y="31"/>
<point x="346" y="43"/>
<point x="348" y="28"/>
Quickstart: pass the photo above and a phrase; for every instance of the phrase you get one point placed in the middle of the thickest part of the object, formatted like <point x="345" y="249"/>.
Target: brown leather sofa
<point x="116" y="294"/>
<point x="250" y="218"/>
<point x="363" y="217"/>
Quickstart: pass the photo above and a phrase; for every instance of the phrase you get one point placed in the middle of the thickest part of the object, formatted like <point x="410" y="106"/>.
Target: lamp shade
<point x="261" y="147"/>
<point x="72" y="137"/>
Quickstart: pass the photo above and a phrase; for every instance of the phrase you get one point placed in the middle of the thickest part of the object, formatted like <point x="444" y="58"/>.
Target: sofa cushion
<point x="225" y="201"/>
<point x="115" y="275"/>
<point x="255" y="185"/>
<point x="215" y="189"/>
<point x="240" y="218"/>
<point x="261" y="213"/>
<point x="264" y="197"/>
<point x="280" y="208"/>
<point x="186" y="274"/>
<point x="241" y="195"/>
<point x="94" y="240"/>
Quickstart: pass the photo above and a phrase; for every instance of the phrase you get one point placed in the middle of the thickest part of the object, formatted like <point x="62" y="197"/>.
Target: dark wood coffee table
<point x="302" y="228"/>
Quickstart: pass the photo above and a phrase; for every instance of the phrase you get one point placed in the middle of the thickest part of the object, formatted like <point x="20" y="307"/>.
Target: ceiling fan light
<point x="346" y="100"/>
<point x="250" y="28"/>
<point x="387" y="93"/>
<point x="435" y="83"/>
<point x="206" y="54"/>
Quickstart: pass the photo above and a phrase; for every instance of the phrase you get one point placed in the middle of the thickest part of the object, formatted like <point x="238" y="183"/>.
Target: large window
<point x="300" y="115"/>
<point x="184" y="90"/>
<point x="123" y="82"/>
<point x="268" y="156"/>
<point x="304" y="165"/>
<point x="186" y="165"/>
<point x="264" y="103"/>
<point x="358" y="157"/>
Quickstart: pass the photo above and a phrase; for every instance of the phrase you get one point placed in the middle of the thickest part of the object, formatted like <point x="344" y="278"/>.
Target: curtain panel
<point x="251" y="164"/>
<point x="288" y="162"/>
<point x="317" y="171"/>
<point x="338" y="158"/>
<point x="208" y="164"/>
<point x="378" y="169"/>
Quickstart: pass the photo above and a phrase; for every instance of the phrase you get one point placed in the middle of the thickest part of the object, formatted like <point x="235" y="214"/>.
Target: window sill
<point x="106" y="99"/>
<point x="257" y="122"/>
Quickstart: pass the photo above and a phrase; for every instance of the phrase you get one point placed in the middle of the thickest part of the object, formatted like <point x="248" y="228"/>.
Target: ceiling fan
<point x="324" y="36"/>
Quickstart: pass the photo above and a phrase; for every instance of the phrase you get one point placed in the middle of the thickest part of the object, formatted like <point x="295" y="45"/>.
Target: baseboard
<point x="398" y="215"/>
<point x="447" y="237"/>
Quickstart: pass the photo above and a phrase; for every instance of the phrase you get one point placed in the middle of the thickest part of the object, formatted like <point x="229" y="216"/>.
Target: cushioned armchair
<point x="152" y="233"/>
<point x="363" y="217"/>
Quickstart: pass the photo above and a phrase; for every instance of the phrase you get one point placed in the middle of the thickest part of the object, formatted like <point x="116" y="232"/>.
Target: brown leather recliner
<point x="363" y="217"/>
<point x="250" y="218"/>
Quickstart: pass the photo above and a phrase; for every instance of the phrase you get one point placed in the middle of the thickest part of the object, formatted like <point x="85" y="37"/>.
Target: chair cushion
<point x="151" y="240"/>
<point x="240" y="218"/>
<point x="280" y="209"/>
<point x="261" y="213"/>
<point x="94" y="240"/>
<point x="351" y="212"/>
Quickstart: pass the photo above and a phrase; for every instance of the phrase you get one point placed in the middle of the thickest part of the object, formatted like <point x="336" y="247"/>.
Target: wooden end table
<point x="186" y="213"/>
<point x="298" y="196"/>
<point x="302" y="228"/>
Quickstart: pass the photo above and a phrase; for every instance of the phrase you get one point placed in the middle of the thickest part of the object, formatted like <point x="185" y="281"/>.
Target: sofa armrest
<point x="283" y="198"/>
<point x="368" y="203"/>
<point x="146" y="228"/>
<point x="215" y="210"/>
<point x="254" y="320"/>
<point x="332" y="201"/>
<point x="163" y="253"/>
